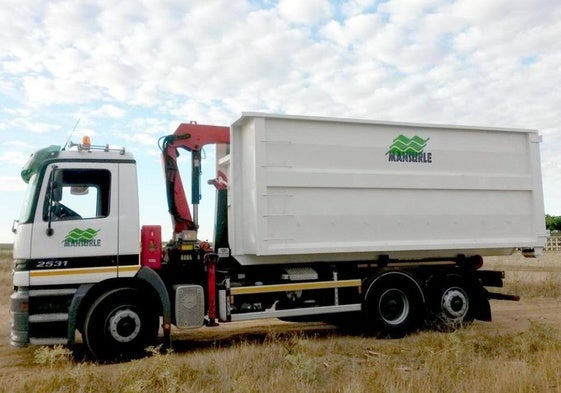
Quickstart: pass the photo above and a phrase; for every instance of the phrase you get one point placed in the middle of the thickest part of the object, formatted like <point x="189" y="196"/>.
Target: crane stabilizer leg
<point x="211" y="260"/>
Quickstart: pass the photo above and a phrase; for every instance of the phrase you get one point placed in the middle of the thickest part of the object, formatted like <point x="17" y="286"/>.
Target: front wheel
<point x="120" y="325"/>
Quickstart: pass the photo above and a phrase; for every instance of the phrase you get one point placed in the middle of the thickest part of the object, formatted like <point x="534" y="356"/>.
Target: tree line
<point x="553" y="223"/>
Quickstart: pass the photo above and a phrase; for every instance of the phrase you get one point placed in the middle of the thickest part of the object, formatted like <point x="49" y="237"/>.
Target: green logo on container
<point x="404" y="149"/>
<point x="82" y="238"/>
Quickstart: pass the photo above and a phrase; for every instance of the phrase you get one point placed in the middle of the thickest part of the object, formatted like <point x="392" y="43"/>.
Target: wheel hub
<point x="124" y="325"/>
<point x="394" y="306"/>
<point x="455" y="303"/>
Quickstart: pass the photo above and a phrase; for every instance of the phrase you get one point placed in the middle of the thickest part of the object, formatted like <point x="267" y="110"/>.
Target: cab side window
<point x="78" y="194"/>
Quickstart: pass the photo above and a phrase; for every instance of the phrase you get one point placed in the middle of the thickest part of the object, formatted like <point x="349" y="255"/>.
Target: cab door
<point x="74" y="237"/>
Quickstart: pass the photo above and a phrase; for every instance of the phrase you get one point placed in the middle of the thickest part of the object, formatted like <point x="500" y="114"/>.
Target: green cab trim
<point x="37" y="160"/>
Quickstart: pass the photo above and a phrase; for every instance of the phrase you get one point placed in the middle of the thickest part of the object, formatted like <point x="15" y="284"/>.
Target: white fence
<point x="553" y="243"/>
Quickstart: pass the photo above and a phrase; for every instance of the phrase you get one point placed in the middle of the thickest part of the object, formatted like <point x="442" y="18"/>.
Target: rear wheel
<point x="393" y="305"/>
<point x="120" y="325"/>
<point x="451" y="304"/>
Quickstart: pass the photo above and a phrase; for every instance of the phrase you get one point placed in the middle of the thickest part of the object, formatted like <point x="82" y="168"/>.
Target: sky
<point x="128" y="72"/>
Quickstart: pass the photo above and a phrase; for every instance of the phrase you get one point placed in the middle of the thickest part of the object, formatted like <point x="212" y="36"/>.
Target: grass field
<point x="519" y="352"/>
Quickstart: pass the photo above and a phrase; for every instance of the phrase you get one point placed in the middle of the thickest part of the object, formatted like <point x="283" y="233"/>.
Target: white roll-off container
<point x="305" y="189"/>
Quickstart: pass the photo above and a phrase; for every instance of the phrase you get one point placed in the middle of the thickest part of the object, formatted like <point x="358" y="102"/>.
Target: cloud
<point x="31" y="124"/>
<point x="236" y="55"/>
<point x="42" y="89"/>
<point x="355" y="30"/>
<point x="308" y="12"/>
<point x="107" y="110"/>
<point x="14" y="157"/>
<point x="20" y="46"/>
<point x="356" y="7"/>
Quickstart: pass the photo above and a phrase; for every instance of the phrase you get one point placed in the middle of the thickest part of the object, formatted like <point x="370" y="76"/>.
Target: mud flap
<point x="482" y="310"/>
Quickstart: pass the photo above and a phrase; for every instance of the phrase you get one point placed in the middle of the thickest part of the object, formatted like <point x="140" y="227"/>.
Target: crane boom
<point x="191" y="137"/>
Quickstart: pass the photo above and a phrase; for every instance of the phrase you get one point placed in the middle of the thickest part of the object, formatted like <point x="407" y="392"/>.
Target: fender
<point x="74" y="309"/>
<point x="151" y="277"/>
<point x="397" y="273"/>
<point x="146" y="275"/>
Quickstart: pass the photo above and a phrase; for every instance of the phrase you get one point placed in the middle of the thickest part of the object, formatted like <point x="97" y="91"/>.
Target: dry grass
<point x="548" y="286"/>
<point x="474" y="359"/>
<point x="465" y="361"/>
<point x="530" y="277"/>
<point x="5" y="273"/>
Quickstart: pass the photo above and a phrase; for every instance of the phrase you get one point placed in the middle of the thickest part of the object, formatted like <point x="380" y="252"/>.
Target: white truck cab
<point x="79" y="224"/>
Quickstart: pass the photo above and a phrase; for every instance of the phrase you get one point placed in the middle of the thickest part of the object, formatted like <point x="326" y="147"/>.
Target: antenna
<point x="72" y="133"/>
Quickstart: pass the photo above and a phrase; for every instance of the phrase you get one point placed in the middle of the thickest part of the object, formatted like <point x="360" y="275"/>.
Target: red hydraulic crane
<point x="191" y="137"/>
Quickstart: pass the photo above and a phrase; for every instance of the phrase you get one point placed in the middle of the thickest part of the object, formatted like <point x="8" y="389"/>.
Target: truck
<point x="382" y="225"/>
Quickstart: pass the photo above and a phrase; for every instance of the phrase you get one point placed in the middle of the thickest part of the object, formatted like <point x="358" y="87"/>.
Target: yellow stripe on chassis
<point x="82" y="275"/>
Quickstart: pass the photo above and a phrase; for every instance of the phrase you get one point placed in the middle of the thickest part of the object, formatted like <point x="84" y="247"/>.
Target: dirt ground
<point x="507" y="315"/>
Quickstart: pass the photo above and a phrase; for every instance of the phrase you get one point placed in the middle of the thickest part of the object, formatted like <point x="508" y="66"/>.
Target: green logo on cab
<point x="82" y="238"/>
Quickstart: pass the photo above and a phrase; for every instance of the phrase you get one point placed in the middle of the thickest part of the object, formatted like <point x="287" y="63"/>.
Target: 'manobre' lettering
<point x="423" y="157"/>
<point x="83" y="243"/>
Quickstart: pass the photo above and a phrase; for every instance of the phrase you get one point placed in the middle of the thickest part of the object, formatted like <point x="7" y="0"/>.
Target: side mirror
<point x="15" y="226"/>
<point x="54" y="194"/>
<point x="57" y="185"/>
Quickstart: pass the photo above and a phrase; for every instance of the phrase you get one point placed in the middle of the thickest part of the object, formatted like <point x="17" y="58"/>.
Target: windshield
<point x="27" y="207"/>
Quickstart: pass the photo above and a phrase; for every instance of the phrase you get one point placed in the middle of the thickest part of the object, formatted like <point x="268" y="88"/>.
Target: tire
<point x="120" y="325"/>
<point x="393" y="305"/>
<point x="451" y="304"/>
